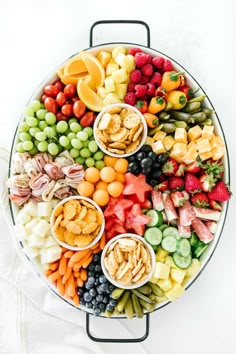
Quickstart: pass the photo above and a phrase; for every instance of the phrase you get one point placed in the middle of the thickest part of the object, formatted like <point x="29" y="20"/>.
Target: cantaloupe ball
<point x="85" y="188"/>
<point x="115" y="188"/>
<point x="101" y="197"/>
<point x="120" y="177"/>
<point x="121" y="165"/>
<point x="109" y="160"/>
<point x="108" y="174"/>
<point x="101" y="185"/>
<point x="92" y="174"/>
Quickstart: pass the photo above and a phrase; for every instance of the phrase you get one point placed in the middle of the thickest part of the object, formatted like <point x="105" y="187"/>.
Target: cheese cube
<point x="165" y="284"/>
<point x="179" y="149"/>
<point x="44" y="267"/>
<point x="50" y="241"/>
<point x="119" y="76"/>
<point x="207" y="132"/>
<point x="111" y="67"/>
<point x="203" y="145"/>
<point x="158" y="147"/>
<point x="177" y="158"/>
<point x="194" y="133"/>
<point x="216" y="141"/>
<point x="180" y="135"/>
<point x="190" y="156"/>
<point x="121" y="90"/>
<point x="176" y="291"/>
<point x="44" y="208"/>
<point x="149" y="140"/>
<point x="20" y="232"/>
<point x="194" y="268"/>
<point x="162" y="271"/>
<point x="42" y="228"/>
<point x="161" y="252"/>
<point x="109" y="84"/>
<point x="102" y="93"/>
<point x="53" y="253"/>
<point x="192" y="146"/>
<point x="218" y="152"/>
<point x="36" y="241"/>
<point x="31" y="209"/>
<point x="22" y="217"/>
<point x="29" y="226"/>
<point x="111" y="98"/>
<point x="168" y="142"/>
<point x="159" y="135"/>
<point x="205" y="155"/>
<point x="177" y="275"/>
<point x="31" y="251"/>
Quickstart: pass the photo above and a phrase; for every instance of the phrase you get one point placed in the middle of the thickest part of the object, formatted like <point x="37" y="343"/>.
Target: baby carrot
<point x="76" y="299"/>
<point x="79" y="255"/>
<point x="83" y="274"/>
<point x="53" y="266"/>
<point x="80" y="282"/>
<point x="97" y="250"/>
<point x="94" y="246"/>
<point x="76" y="274"/>
<point x="71" y="286"/>
<point x="66" y="275"/>
<point x="62" y="265"/>
<point x="54" y="276"/>
<point x="60" y="286"/>
<point x="48" y="272"/>
<point x="102" y="241"/>
<point x="80" y="263"/>
<point x="88" y="261"/>
<point x="64" y="249"/>
<point x="68" y="254"/>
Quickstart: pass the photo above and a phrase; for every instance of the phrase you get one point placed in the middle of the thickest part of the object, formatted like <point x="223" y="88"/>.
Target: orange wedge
<point x="94" y="68"/>
<point x="89" y="97"/>
<point x="89" y="81"/>
<point x="72" y="79"/>
<point x="75" y="66"/>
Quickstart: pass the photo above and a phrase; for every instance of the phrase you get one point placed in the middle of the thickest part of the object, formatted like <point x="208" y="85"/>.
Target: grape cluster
<point x="96" y="292"/>
<point x="147" y="162"/>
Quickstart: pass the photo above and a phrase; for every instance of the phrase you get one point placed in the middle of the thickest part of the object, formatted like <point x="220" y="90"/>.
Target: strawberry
<point x="177" y="198"/>
<point x="162" y="186"/>
<point x="192" y="183"/>
<point x="214" y="205"/>
<point x="220" y="192"/>
<point x="176" y="183"/>
<point x="193" y="167"/>
<point x="207" y="182"/>
<point x="213" y="167"/>
<point x="180" y="171"/>
<point x="200" y="200"/>
<point x="170" y="167"/>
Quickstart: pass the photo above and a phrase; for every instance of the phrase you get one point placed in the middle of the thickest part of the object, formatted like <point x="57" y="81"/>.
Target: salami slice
<point x="202" y="230"/>
<point x="186" y="214"/>
<point x="169" y="207"/>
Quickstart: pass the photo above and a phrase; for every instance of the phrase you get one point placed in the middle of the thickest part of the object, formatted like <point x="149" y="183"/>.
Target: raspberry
<point x="147" y="70"/>
<point x="134" y="50"/>
<point x="144" y="80"/>
<point x="131" y="87"/>
<point x="140" y="90"/>
<point x="135" y="76"/>
<point x="156" y="79"/>
<point x="130" y="98"/>
<point x="149" y="58"/>
<point x="140" y="59"/>
<point x="150" y="89"/>
<point x="167" y="65"/>
<point x="143" y="98"/>
<point x="158" y="62"/>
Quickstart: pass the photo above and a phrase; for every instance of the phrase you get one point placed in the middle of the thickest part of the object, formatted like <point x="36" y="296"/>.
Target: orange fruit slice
<point x="75" y="66"/>
<point x="71" y="79"/>
<point x="89" y="97"/>
<point x="94" y="68"/>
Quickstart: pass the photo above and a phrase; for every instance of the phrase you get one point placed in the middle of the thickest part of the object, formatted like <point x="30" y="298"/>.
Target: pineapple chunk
<point x="203" y="145"/>
<point x="160" y="259"/>
<point x="177" y="275"/>
<point x="116" y="51"/>
<point x="194" y="268"/>
<point x="180" y="135"/>
<point x="169" y="261"/>
<point x="149" y="140"/>
<point x="176" y="291"/>
<point x="130" y="65"/>
<point x="158" y="147"/>
<point x="119" y="76"/>
<point x="111" y="98"/>
<point x="161" y="252"/>
<point x="205" y="155"/>
<point x="194" y="133"/>
<point x="165" y="284"/>
<point x="121" y="90"/>
<point x="168" y="142"/>
<point x="207" y="132"/>
<point x="159" y="136"/>
<point x="218" y="152"/>
<point x="162" y="271"/>
<point x="109" y="84"/>
<point x="104" y="57"/>
<point x="125" y="62"/>
<point x="102" y="92"/>
<point x="111" y="67"/>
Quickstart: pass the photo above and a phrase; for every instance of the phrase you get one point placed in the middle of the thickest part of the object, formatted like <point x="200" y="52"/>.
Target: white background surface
<point x="35" y="36"/>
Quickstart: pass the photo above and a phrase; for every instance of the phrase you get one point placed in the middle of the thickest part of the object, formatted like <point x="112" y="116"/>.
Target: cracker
<point x="116" y="151"/>
<point x="119" y="135"/>
<point x="58" y="210"/>
<point x="132" y="147"/>
<point x="70" y="209"/>
<point x="120" y="146"/>
<point x="115" y="124"/>
<point x="104" y="121"/>
<point x="138" y="132"/>
<point x="114" y="110"/>
<point x="131" y="121"/>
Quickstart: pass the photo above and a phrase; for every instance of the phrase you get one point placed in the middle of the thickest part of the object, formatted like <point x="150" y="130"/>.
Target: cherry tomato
<point x="88" y="119"/>
<point x="70" y="91"/>
<point x="59" y="85"/>
<point x="61" y="116"/>
<point x="51" y="105"/>
<point x="78" y="108"/>
<point x="61" y="99"/>
<point x="43" y="97"/>
<point x="74" y="99"/>
<point x="67" y="109"/>
<point x="51" y="90"/>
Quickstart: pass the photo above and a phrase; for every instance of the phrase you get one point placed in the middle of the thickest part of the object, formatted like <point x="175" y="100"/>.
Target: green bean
<point x="180" y="115"/>
<point x="153" y="131"/>
<point x="197" y="99"/>
<point x="164" y="116"/>
<point x="192" y="106"/>
<point x="168" y="128"/>
<point x="208" y="111"/>
<point x="199" y="117"/>
<point x="180" y="124"/>
<point x="208" y="121"/>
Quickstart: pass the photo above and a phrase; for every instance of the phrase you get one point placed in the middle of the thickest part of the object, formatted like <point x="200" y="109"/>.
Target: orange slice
<point x="94" y="67"/>
<point x="75" y="66"/>
<point x="89" y="97"/>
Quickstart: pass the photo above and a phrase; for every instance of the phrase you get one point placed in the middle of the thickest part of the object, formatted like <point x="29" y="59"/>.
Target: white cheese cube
<point x="50" y="241"/>
<point x="43" y="257"/>
<point x="54" y="202"/>
<point x="162" y="271"/>
<point x="177" y="275"/>
<point x="176" y="291"/>
<point x="22" y="217"/>
<point x="44" y="267"/>
<point x="44" y="208"/>
<point x="31" y="252"/>
<point x="31" y="209"/>
<point x="29" y="226"/>
<point x="20" y="232"/>
<point x="36" y="241"/>
<point x="47" y="218"/>
<point x="42" y="228"/>
<point x="53" y="253"/>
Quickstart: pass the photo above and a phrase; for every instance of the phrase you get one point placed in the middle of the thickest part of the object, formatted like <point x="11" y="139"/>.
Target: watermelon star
<point x="117" y="207"/>
<point x="135" y="220"/>
<point x="136" y="185"/>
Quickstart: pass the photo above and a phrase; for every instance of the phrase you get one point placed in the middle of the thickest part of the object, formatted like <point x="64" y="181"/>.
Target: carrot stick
<point x="87" y="262"/>
<point x="97" y="250"/>
<point x="80" y="282"/>
<point x="76" y="268"/>
<point x="76" y="274"/>
<point x="79" y="255"/>
<point x="102" y="241"/>
<point x="68" y="254"/>
<point x="48" y="272"/>
<point x="54" y="276"/>
<point x="82" y="260"/>
<point x="66" y="275"/>
<point x="71" y="286"/>
<point x="64" y="249"/>
<point x="53" y="266"/>
<point x="94" y="246"/>
<point x="76" y="299"/>
<point x="60" y="286"/>
<point x="62" y="265"/>
<point x="83" y="274"/>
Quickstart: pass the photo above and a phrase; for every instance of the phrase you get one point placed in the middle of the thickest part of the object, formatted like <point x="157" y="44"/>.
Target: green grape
<point x="42" y="105"/>
<point x="89" y="131"/>
<point x="24" y="136"/>
<point x="24" y="127"/>
<point x="50" y="132"/>
<point x="82" y="136"/>
<point x="72" y="120"/>
<point x="50" y="118"/>
<point x="68" y="132"/>
<point x="93" y="146"/>
<point x="31" y="121"/>
<point x="19" y="147"/>
<point x="29" y="111"/>
<point x="85" y="143"/>
<point x="79" y="160"/>
<point x="60" y="148"/>
<point x="89" y="162"/>
<point x="34" y="130"/>
<point x="74" y="153"/>
<point x="62" y="126"/>
<point x="91" y="138"/>
<point x="64" y="141"/>
<point x="41" y="113"/>
<point x="53" y="149"/>
<point x="85" y="153"/>
<point x="76" y="143"/>
<point x="75" y="127"/>
<point x="43" y="146"/>
<point x="35" y="105"/>
<point x="71" y="136"/>
<point x="27" y="145"/>
<point x="68" y="147"/>
<point x="42" y="125"/>
<point x="99" y="164"/>
<point x="36" y="143"/>
<point x="98" y="155"/>
<point x="41" y="136"/>
<point x="33" y="151"/>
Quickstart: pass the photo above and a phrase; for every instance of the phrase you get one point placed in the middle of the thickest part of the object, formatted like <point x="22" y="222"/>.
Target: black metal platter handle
<point x="117" y="340"/>
<point x="103" y="22"/>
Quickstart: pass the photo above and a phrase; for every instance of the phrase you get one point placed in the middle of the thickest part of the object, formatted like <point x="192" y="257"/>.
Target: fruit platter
<point x="118" y="180"/>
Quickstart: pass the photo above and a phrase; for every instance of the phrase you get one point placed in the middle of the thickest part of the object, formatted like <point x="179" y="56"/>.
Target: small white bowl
<point x="120" y="105"/>
<point x="66" y="245"/>
<point x="148" y="247"/>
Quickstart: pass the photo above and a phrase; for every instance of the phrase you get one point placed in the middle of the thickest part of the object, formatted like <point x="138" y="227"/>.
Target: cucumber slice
<point x="156" y="218"/>
<point x="193" y="239"/>
<point x="182" y="262"/>
<point x="171" y="231"/>
<point x="163" y="226"/>
<point x="183" y="247"/>
<point x="200" y="249"/>
<point x="153" y="236"/>
<point x="169" y="244"/>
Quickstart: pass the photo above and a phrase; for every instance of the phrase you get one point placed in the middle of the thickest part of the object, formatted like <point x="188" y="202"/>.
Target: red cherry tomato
<point x="78" y="108"/>
<point x="43" y="97"/>
<point x="59" y="85"/>
<point x="51" y="90"/>
<point x="74" y="99"/>
<point x="61" y="99"/>
<point x="51" y="105"/>
<point x="67" y="109"/>
<point x="61" y="116"/>
<point x="88" y="119"/>
<point x="70" y="91"/>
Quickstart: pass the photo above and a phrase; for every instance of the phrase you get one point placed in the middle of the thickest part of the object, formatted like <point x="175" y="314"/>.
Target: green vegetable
<point x="183" y="247"/>
<point x="168" y="128"/>
<point x="137" y="307"/>
<point x="156" y="290"/>
<point x="116" y="293"/>
<point x="169" y="244"/>
<point x="197" y="99"/>
<point x="145" y="289"/>
<point x="182" y="262"/>
<point x="191" y="107"/>
<point x="199" y="117"/>
<point x="121" y="304"/>
<point x="129" y="310"/>
<point x="153" y="236"/>
<point x="141" y="296"/>
<point x="164" y="116"/>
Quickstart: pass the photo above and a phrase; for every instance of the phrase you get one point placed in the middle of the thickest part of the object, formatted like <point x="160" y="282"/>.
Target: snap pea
<point x="145" y="289"/>
<point x="153" y="131"/>
<point x="197" y="99"/>
<point x="146" y="306"/>
<point x="116" y="293"/>
<point x="180" y="124"/>
<point x="121" y="304"/>
<point x="208" y="121"/>
<point x="180" y="115"/>
<point x="108" y="313"/>
<point x="208" y="111"/>
<point x="168" y="106"/>
<point x="197" y="110"/>
<point x="164" y="116"/>
<point x="156" y="290"/>
<point x="192" y="106"/>
<point x="129" y="310"/>
<point x="153" y="297"/>
<point x="199" y="117"/>
<point x="141" y="296"/>
<point x="137" y="307"/>
<point x="168" y="128"/>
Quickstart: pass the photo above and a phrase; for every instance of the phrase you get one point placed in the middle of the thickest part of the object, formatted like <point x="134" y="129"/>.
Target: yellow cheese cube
<point x="194" y="268"/>
<point x="165" y="284"/>
<point x="203" y="145"/>
<point x="159" y="135"/>
<point x="161" y="252"/>
<point x="169" y="261"/>
<point x="149" y="140"/>
<point x="207" y="132"/>
<point x="205" y="155"/>
<point x="216" y="141"/>
<point x="162" y="271"/>
<point x="176" y="157"/>
<point x="194" y="133"/>
<point x="190" y="156"/>
<point x="177" y="275"/>
<point x="158" y="147"/>
<point x="192" y="146"/>
<point x="168" y="142"/>
<point x="179" y="149"/>
<point x="218" y="152"/>
<point x="180" y="135"/>
<point x="160" y="259"/>
<point x="176" y="291"/>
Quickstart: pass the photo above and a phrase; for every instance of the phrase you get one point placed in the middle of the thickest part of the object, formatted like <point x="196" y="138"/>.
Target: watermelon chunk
<point x="136" y="185"/>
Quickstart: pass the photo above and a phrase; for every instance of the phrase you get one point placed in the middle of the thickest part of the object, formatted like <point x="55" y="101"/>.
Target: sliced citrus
<point x="75" y="66"/>
<point x="94" y="67"/>
<point x="72" y="79"/>
<point x="89" y="97"/>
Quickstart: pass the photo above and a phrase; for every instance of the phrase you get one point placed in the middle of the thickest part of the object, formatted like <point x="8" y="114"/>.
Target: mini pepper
<point x="156" y="105"/>
<point x="171" y="80"/>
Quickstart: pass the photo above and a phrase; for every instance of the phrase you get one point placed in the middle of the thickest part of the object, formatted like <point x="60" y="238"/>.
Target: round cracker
<point x="131" y="121"/>
<point x="119" y="135"/>
<point x="114" y="125"/>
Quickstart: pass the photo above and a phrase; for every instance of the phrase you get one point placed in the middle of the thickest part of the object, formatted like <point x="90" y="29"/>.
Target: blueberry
<point x="104" y="287"/>
<point x="102" y="306"/>
<point x="92" y="292"/>
<point x="87" y="297"/>
<point x="88" y="286"/>
<point x="94" y="302"/>
<point x="99" y="290"/>
<point x="162" y="158"/>
<point x="99" y="297"/>
<point x="82" y="302"/>
<point x="152" y="155"/>
<point x="112" y="302"/>
<point x="96" y="311"/>
<point x="91" y="280"/>
<point x="109" y="307"/>
<point x="131" y="158"/>
<point x="89" y="305"/>
<point x="91" y="266"/>
<point x="91" y="273"/>
<point x="102" y="279"/>
<point x="111" y="287"/>
<point x="105" y="299"/>
<point x="140" y="155"/>
<point x="96" y="282"/>
<point x="97" y="257"/>
<point x="97" y="268"/>
<point x="80" y="291"/>
<point x="146" y="148"/>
